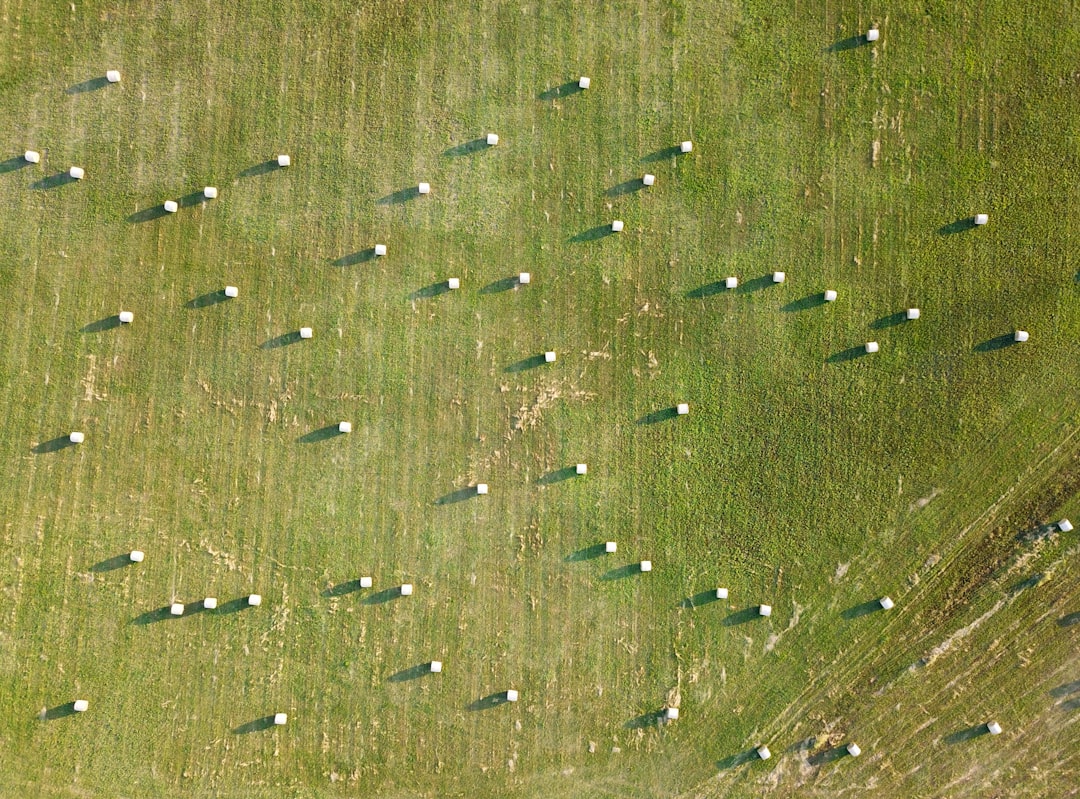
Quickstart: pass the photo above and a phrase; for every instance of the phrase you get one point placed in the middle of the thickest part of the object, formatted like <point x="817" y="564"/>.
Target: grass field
<point x="804" y="477"/>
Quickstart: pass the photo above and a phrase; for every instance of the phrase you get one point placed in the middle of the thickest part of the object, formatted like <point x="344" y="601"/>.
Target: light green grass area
<point x="803" y="477"/>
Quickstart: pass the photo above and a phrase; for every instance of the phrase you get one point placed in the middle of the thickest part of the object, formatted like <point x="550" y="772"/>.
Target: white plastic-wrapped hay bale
<point x="492" y="139"/>
<point x="232" y="291"/>
<point x="171" y="206"/>
<point x="284" y="161"/>
<point x="584" y="82"/>
<point x="80" y="706"/>
<point x="76" y="437"/>
<point x="280" y="719"/>
<point x="76" y="173"/>
<point x="686" y="147"/>
<point x="306" y="332"/>
<point x="136" y="556"/>
<point x="113" y="76"/>
<point x="32" y="157"/>
<point x="886" y="603"/>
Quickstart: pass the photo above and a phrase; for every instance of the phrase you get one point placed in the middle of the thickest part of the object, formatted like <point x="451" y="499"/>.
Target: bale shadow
<point x="258" y="725"/>
<point x="699" y="599"/>
<point x="1030" y="582"/>
<point x="91" y="85"/>
<point x="850" y="354"/>
<point x="708" y="290"/>
<point x="206" y="300"/>
<point x="959" y="226"/>
<point x="650" y="719"/>
<point x="593" y="234"/>
<point x="434" y="290"/>
<point x="260" y="169"/>
<point x="195" y="198"/>
<point x="805" y="304"/>
<point x="741" y="616"/>
<point x="966" y="735"/>
<point x="892" y="320"/>
<point x="662" y="154"/>
<point x="108" y="323"/>
<point x="1069" y="620"/>
<point x="152" y="616"/>
<point x="233" y="606"/>
<point x="342" y="589"/>
<point x="527" y="363"/>
<point x="661" y="415"/>
<point x="757" y="284"/>
<point x="862" y="609"/>
<point x="850" y="43"/>
<point x="322" y="434"/>
<point x="827" y="756"/>
<point x="400" y="196"/>
<point x="621" y="572"/>
<point x="10" y="165"/>
<point x="460" y="495"/>
<point x="384" y="596"/>
<point x="474" y="146"/>
<point x="503" y="284"/>
<point x="148" y="214"/>
<point x="359" y="257"/>
<point x="488" y="702"/>
<point x="588" y="553"/>
<point x="1065" y="689"/>
<point x="626" y="187"/>
<point x="557" y="476"/>
<point x="565" y="90"/>
<point x="284" y="340"/>
<point x="53" y="445"/>
<point x="1070" y="705"/>
<point x="411" y="673"/>
<point x="113" y="563"/>
<point x="996" y="343"/>
<point x="737" y="760"/>
<point x="52" y="181"/>
<point x="58" y="712"/>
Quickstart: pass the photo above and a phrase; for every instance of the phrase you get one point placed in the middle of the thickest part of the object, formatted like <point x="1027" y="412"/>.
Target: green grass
<point x="809" y="482"/>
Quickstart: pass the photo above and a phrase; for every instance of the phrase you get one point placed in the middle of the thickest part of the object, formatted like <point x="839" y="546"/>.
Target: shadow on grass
<point x="966" y="735"/>
<point x="892" y="320"/>
<point x="959" y="226"/>
<point x="58" y="712"/>
<point x="708" y="290"/>
<point x="699" y="599"/>
<point x="741" y="616"/>
<point x="206" y="300"/>
<point x="342" y="589"/>
<point x="434" y="290"/>
<point x="152" y="616"/>
<point x="737" y="760"/>
<point x="52" y="181"/>
<point x="108" y="323"/>
<point x="353" y="258"/>
<point x="662" y="154"/>
<point x="1069" y="620"/>
<point x="567" y="89"/>
<point x="260" y="169"/>
<point x="503" y="284"/>
<point x="527" y="363"/>
<point x="588" y="553"/>
<point x="862" y="609"/>
<point x="621" y="572"/>
<point x="593" y="234"/>
<point x="195" y="198"/>
<point x="232" y="606"/>
<point x="626" y="187"/>
<point x="996" y="343"/>
<point x="805" y="304"/>
<point x="322" y="434"/>
<point x="661" y="415"/>
<point x="384" y="596"/>
<point x="488" y="702"/>
<point x="148" y="214"/>
<point x="827" y="756"/>
<point x="284" y="340"/>
<point x="1030" y="582"/>
<point x="474" y="146"/>
<point x="411" y="673"/>
<point x="53" y="445"/>
<point x="258" y="725"/>
<point x="650" y="719"/>
<point x="756" y="284"/>
<point x="10" y="165"/>
<point x="1070" y="705"/>
<point x="1065" y="689"/>
<point x="558" y="476"/>
<point x="850" y="43"/>
<point x="91" y="85"/>
<point x="460" y="495"/>
<point x="850" y="354"/>
<point x="400" y="196"/>
<point x="113" y="563"/>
